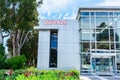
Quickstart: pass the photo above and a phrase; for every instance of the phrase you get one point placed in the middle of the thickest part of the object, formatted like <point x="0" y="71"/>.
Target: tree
<point x="2" y="13"/>
<point x="2" y="56"/>
<point x="21" y="16"/>
<point x="29" y="49"/>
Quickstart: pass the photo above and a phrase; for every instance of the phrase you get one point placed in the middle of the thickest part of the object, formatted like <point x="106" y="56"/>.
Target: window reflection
<point x="110" y="13"/>
<point x="53" y="49"/>
<point x="93" y="22"/>
<point x="100" y="31"/>
<point x="102" y="14"/>
<point x="100" y="20"/>
<point x="118" y="61"/>
<point x="117" y="22"/>
<point x="93" y="45"/>
<point x="85" y="34"/>
<point x="85" y="22"/>
<point x="118" y="46"/>
<point x="99" y="34"/>
<point x="102" y="45"/>
<point x="92" y="13"/>
<point x="116" y="14"/>
<point x="102" y="34"/>
<point x="85" y="47"/>
<point x="85" y="62"/>
<point x="84" y="13"/>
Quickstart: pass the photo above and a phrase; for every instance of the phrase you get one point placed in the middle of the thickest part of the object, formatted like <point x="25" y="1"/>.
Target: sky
<point x="67" y="9"/>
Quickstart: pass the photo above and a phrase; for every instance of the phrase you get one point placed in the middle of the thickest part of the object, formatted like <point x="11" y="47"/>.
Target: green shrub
<point x="50" y="75"/>
<point x="18" y="72"/>
<point x="75" y="73"/>
<point x="2" y="56"/>
<point x="30" y="74"/>
<point x="17" y="62"/>
<point x="2" y="72"/>
<point x="2" y="50"/>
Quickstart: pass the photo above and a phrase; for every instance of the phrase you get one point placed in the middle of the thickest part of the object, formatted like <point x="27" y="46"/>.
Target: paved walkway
<point x="96" y="77"/>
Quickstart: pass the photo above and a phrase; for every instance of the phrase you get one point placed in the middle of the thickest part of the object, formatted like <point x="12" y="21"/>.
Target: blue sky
<point x="67" y="9"/>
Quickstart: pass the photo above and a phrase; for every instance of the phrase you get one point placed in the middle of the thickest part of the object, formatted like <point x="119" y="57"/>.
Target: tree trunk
<point x="13" y="43"/>
<point x="18" y="40"/>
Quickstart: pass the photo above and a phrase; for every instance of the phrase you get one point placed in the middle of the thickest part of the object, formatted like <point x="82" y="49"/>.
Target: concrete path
<point x="96" y="77"/>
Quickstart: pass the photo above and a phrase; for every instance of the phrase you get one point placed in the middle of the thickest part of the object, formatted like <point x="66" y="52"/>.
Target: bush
<point x="2" y="56"/>
<point x="2" y="50"/>
<point x="50" y="75"/>
<point x="17" y="62"/>
<point x="34" y="74"/>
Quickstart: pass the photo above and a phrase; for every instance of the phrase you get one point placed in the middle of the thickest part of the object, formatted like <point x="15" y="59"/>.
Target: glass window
<point x="53" y="49"/>
<point x="111" y="22"/>
<point x="84" y="13"/>
<point x="85" y="62"/>
<point x="102" y="14"/>
<point x="102" y="34"/>
<point x="85" y="22"/>
<point x="85" y="34"/>
<point x="117" y="22"/>
<point x="117" y="46"/>
<point x="110" y="13"/>
<point x="85" y="47"/>
<point x="111" y="35"/>
<point x="93" y="45"/>
<point x="118" y="61"/>
<point x="92" y="22"/>
<point x="116" y="14"/>
<point x="101" y="22"/>
<point x="112" y="45"/>
<point x="117" y="35"/>
<point x="102" y="45"/>
<point x="118" y="51"/>
<point x="93" y="34"/>
<point x="92" y="13"/>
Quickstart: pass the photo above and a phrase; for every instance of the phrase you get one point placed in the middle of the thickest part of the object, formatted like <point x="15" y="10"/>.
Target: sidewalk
<point x="97" y="77"/>
<point x="84" y="78"/>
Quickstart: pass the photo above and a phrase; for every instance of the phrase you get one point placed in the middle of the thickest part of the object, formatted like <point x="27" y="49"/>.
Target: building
<point x="58" y="44"/>
<point x="91" y="43"/>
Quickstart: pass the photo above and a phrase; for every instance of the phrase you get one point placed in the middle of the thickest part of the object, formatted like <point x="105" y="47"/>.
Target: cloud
<point x="52" y="9"/>
<point x="70" y="16"/>
<point x="67" y="9"/>
<point x="50" y="6"/>
<point x="109" y="3"/>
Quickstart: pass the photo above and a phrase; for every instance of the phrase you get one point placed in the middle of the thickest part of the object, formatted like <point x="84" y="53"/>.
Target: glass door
<point x="102" y="65"/>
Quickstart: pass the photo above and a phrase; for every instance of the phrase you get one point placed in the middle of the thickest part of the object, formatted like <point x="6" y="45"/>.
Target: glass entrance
<point x="102" y="65"/>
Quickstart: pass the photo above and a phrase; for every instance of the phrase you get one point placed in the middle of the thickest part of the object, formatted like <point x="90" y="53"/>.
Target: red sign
<point x="55" y="22"/>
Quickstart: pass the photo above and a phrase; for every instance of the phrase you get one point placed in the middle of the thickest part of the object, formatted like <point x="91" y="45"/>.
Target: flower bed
<point x="33" y="74"/>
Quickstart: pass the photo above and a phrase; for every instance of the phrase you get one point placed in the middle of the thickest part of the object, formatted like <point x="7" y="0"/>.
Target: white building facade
<point x="91" y="43"/>
<point x="58" y="44"/>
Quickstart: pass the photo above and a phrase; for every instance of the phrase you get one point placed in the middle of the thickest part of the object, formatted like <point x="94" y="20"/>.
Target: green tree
<point x="2" y="13"/>
<point x="29" y="49"/>
<point x="21" y="16"/>
<point x="2" y="56"/>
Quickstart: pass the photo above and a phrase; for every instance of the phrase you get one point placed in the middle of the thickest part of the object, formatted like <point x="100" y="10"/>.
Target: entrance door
<point x="102" y="65"/>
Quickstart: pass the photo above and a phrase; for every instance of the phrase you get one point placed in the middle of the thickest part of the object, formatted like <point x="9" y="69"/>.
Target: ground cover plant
<point x="34" y="74"/>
